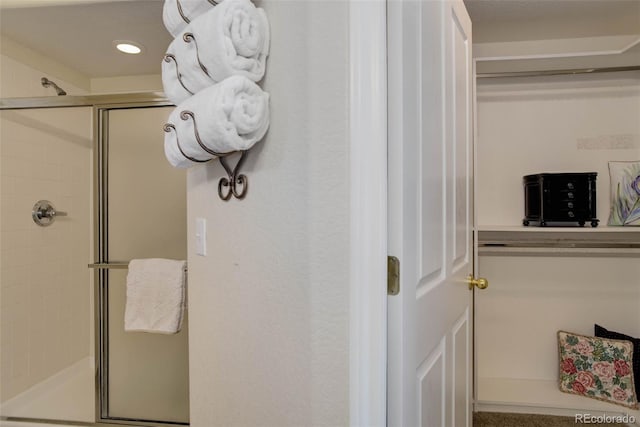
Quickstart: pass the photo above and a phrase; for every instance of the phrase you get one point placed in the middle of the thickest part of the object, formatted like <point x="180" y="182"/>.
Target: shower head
<point x="46" y="83"/>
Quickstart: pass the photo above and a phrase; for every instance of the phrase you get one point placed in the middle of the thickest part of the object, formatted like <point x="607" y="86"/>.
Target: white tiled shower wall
<point x="45" y="285"/>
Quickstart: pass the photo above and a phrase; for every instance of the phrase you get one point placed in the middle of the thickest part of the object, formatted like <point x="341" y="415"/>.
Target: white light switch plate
<point x="201" y="236"/>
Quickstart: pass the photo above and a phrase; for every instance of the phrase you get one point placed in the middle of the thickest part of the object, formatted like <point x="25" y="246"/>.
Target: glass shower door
<point x="47" y="368"/>
<point x="146" y="375"/>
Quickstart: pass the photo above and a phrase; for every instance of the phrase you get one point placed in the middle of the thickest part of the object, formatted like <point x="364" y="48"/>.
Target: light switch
<point x="201" y="236"/>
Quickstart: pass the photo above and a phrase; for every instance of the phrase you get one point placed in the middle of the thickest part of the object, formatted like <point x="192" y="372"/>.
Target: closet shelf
<point x="569" y="241"/>
<point x="538" y="393"/>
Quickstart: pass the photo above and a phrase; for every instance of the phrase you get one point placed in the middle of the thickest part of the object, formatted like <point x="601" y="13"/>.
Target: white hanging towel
<point x="156" y="290"/>
<point x="229" y="116"/>
<point x="230" y="39"/>
<point x="176" y="14"/>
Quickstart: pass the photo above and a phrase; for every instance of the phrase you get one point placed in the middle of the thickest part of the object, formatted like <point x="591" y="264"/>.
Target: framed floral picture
<point x="625" y="193"/>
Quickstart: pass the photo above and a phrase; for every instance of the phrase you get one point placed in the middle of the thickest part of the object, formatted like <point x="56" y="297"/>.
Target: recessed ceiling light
<point x="127" y="46"/>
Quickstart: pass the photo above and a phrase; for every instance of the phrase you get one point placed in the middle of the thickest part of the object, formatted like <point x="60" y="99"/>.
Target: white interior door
<point x="430" y="213"/>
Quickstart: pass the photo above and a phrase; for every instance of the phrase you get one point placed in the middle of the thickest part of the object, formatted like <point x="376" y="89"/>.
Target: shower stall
<point x="84" y="189"/>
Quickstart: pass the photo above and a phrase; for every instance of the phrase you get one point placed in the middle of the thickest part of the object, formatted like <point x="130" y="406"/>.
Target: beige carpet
<point x="495" y="419"/>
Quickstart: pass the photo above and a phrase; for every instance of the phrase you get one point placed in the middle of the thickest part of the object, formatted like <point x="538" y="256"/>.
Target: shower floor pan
<point x="67" y="396"/>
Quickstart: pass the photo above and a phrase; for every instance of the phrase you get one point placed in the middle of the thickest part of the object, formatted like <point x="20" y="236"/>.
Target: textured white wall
<point x="268" y="305"/>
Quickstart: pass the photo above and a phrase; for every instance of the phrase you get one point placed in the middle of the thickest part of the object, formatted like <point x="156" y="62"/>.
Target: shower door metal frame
<point x="101" y="256"/>
<point x="101" y="105"/>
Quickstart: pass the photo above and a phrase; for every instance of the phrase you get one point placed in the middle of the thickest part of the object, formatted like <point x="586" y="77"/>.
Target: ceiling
<point x="80" y="33"/>
<point x="520" y="20"/>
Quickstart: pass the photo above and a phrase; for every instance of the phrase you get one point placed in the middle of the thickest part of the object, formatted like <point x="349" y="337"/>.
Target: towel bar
<point x="117" y="265"/>
<point x="109" y="265"/>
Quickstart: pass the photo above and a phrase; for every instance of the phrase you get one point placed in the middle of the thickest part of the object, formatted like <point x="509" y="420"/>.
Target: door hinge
<point x="393" y="275"/>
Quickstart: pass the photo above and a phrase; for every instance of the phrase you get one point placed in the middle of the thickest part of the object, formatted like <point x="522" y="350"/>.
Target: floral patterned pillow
<point x="598" y="368"/>
<point x="601" y="332"/>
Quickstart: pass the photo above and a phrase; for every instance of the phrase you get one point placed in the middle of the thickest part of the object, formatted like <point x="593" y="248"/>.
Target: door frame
<point x="368" y="213"/>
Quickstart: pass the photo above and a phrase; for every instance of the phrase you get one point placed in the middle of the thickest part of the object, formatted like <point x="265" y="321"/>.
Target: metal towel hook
<point x="170" y="57"/>
<point x="188" y="38"/>
<point x="233" y="179"/>
<point x="184" y="16"/>
<point x="229" y="186"/>
<point x="234" y="184"/>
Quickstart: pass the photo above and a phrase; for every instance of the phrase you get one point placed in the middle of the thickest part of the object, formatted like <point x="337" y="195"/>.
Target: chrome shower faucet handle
<point x="44" y="213"/>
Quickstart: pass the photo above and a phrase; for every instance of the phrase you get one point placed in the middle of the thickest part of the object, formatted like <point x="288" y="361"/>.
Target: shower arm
<point x="47" y="83"/>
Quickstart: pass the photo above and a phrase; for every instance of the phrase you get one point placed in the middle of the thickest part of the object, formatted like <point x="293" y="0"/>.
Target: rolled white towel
<point x="229" y="116"/>
<point x="230" y="39"/>
<point x="176" y="14"/>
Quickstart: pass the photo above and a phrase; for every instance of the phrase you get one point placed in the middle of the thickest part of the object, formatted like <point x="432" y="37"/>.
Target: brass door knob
<point x="479" y="282"/>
